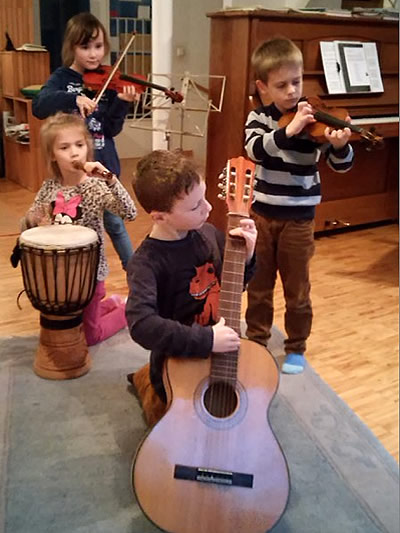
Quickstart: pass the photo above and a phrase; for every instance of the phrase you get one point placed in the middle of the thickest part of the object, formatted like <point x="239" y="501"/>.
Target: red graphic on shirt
<point x="205" y="286"/>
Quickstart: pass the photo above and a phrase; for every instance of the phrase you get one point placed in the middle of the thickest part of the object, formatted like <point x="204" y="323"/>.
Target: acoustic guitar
<point x="212" y="463"/>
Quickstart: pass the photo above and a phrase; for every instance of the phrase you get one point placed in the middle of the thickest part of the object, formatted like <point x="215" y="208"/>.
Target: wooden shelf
<point x="20" y="69"/>
<point x="23" y="162"/>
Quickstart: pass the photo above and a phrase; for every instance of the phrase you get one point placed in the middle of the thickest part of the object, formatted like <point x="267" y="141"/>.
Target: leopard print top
<point x="84" y="204"/>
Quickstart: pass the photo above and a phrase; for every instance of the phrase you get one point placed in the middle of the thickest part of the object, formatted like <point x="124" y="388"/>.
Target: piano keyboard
<point x="374" y="120"/>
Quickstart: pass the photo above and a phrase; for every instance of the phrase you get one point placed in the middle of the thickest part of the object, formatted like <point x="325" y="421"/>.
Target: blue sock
<point x="294" y="363"/>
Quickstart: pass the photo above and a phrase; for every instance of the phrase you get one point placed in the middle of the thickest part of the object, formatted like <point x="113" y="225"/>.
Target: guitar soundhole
<point x="220" y="399"/>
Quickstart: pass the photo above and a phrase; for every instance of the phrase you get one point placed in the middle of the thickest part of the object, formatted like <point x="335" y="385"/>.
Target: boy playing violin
<point x="286" y="191"/>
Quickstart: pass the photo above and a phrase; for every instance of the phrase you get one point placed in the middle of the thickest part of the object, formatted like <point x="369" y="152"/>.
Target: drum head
<point x="58" y="237"/>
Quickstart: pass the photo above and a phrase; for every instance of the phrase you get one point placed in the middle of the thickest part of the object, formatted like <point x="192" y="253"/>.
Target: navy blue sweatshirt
<point x="59" y="94"/>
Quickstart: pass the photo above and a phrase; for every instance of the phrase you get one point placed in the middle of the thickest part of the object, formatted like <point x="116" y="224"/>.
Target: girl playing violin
<point x="72" y="195"/>
<point x="84" y="47"/>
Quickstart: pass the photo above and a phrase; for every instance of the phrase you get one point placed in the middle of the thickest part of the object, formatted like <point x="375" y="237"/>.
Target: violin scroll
<point x="373" y="140"/>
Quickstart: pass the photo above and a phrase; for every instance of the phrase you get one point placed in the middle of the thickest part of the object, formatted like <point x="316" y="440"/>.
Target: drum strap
<point x="68" y="323"/>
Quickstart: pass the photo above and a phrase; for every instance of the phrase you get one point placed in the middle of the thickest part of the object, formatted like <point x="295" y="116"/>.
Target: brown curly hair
<point x="162" y="177"/>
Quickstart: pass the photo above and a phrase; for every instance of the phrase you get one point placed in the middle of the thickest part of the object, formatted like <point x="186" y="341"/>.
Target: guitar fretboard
<point x="224" y="365"/>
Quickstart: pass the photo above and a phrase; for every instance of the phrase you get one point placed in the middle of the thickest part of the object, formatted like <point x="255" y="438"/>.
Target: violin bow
<point x="114" y="69"/>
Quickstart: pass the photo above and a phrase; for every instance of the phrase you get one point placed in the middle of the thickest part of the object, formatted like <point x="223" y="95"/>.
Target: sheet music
<point x="351" y="67"/>
<point x="333" y="73"/>
<point x="373" y="69"/>
<point x="356" y="65"/>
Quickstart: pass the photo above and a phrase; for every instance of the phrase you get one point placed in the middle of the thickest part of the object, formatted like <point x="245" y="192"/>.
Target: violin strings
<point x="330" y="120"/>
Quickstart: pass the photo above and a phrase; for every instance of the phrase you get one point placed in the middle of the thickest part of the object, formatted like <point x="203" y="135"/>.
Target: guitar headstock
<point x="237" y="185"/>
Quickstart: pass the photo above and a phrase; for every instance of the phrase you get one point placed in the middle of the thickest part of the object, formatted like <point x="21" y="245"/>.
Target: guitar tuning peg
<point x="221" y="196"/>
<point x="221" y="185"/>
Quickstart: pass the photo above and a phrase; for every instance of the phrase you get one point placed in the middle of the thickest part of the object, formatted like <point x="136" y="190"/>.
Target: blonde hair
<point x="49" y="131"/>
<point x="162" y="177"/>
<point x="273" y="54"/>
<point x="80" y="30"/>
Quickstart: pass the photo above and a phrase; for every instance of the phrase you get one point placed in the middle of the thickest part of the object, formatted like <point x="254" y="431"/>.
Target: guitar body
<point x="243" y="484"/>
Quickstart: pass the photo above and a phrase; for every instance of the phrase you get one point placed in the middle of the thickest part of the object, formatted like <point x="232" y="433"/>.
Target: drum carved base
<point x="62" y="354"/>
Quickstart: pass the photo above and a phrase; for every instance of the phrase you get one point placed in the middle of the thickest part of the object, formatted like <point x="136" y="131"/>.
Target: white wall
<point x="37" y="39"/>
<point x="192" y="36"/>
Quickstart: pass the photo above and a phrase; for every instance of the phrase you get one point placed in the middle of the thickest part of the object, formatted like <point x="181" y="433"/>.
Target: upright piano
<point x="367" y="193"/>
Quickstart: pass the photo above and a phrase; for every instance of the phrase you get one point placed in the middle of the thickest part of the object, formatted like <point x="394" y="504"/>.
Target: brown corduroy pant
<point x="284" y="246"/>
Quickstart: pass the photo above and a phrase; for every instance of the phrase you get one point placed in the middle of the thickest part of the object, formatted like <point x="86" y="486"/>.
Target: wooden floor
<point x="354" y="343"/>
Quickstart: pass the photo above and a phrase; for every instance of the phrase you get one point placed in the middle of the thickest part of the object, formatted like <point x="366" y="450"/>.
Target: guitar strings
<point x="225" y="400"/>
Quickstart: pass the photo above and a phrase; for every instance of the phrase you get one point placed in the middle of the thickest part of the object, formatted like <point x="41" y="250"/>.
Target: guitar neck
<point x="232" y="276"/>
<point x="224" y="365"/>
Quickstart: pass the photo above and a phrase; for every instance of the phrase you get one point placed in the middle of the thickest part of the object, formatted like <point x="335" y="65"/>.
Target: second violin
<point x="96" y="79"/>
<point x="334" y="117"/>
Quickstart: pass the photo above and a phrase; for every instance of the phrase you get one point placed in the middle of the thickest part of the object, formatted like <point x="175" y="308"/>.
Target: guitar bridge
<point x="210" y="475"/>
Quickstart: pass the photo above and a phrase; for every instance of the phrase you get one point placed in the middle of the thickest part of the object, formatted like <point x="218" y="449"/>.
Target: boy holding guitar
<point x="174" y="277"/>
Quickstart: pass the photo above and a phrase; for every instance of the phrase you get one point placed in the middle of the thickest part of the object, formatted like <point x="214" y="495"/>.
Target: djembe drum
<point x="59" y="265"/>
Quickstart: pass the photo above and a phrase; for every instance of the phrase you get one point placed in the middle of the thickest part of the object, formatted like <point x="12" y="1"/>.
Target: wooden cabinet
<point x="23" y="162"/>
<point x="369" y="192"/>
<point x="20" y="69"/>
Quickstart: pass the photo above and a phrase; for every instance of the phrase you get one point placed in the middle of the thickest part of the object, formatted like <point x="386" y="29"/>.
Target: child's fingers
<point x="129" y="94"/>
<point x="236" y="232"/>
<point x="93" y="167"/>
<point x="246" y="229"/>
<point x="248" y="224"/>
<point x="85" y="105"/>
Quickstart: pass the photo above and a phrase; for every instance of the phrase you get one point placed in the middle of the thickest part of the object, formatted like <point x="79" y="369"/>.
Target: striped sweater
<point x="287" y="184"/>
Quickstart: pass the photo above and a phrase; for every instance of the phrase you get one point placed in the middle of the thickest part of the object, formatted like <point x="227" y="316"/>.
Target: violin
<point x="334" y="117"/>
<point x="95" y="80"/>
<point x="105" y="76"/>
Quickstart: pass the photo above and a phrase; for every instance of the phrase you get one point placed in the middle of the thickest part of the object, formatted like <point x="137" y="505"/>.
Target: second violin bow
<point x="114" y="69"/>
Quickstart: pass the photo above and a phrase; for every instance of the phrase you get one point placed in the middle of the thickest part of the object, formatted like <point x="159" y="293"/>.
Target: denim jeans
<point x="284" y="246"/>
<point x="115" y="227"/>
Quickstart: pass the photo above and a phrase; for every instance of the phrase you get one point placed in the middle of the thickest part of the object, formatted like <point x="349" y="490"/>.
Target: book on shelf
<point x="30" y="47"/>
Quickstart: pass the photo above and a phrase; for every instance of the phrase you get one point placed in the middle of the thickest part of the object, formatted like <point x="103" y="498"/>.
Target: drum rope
<point x="18" y="297"/>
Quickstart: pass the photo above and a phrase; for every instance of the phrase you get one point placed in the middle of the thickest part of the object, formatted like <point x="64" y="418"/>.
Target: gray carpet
<point x="66" y="449"/>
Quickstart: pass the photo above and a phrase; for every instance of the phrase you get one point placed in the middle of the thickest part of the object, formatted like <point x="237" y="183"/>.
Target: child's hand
<point x="303" y="117"/>
<point x="225" y="339"/>
<point x="94" y="168"/>
<point x="129" y="94"/>
<point x="85" y="105"/>
<point x="40" y="215"/>
<point x="338" y="138"/>
<point x="248" y="231"/>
